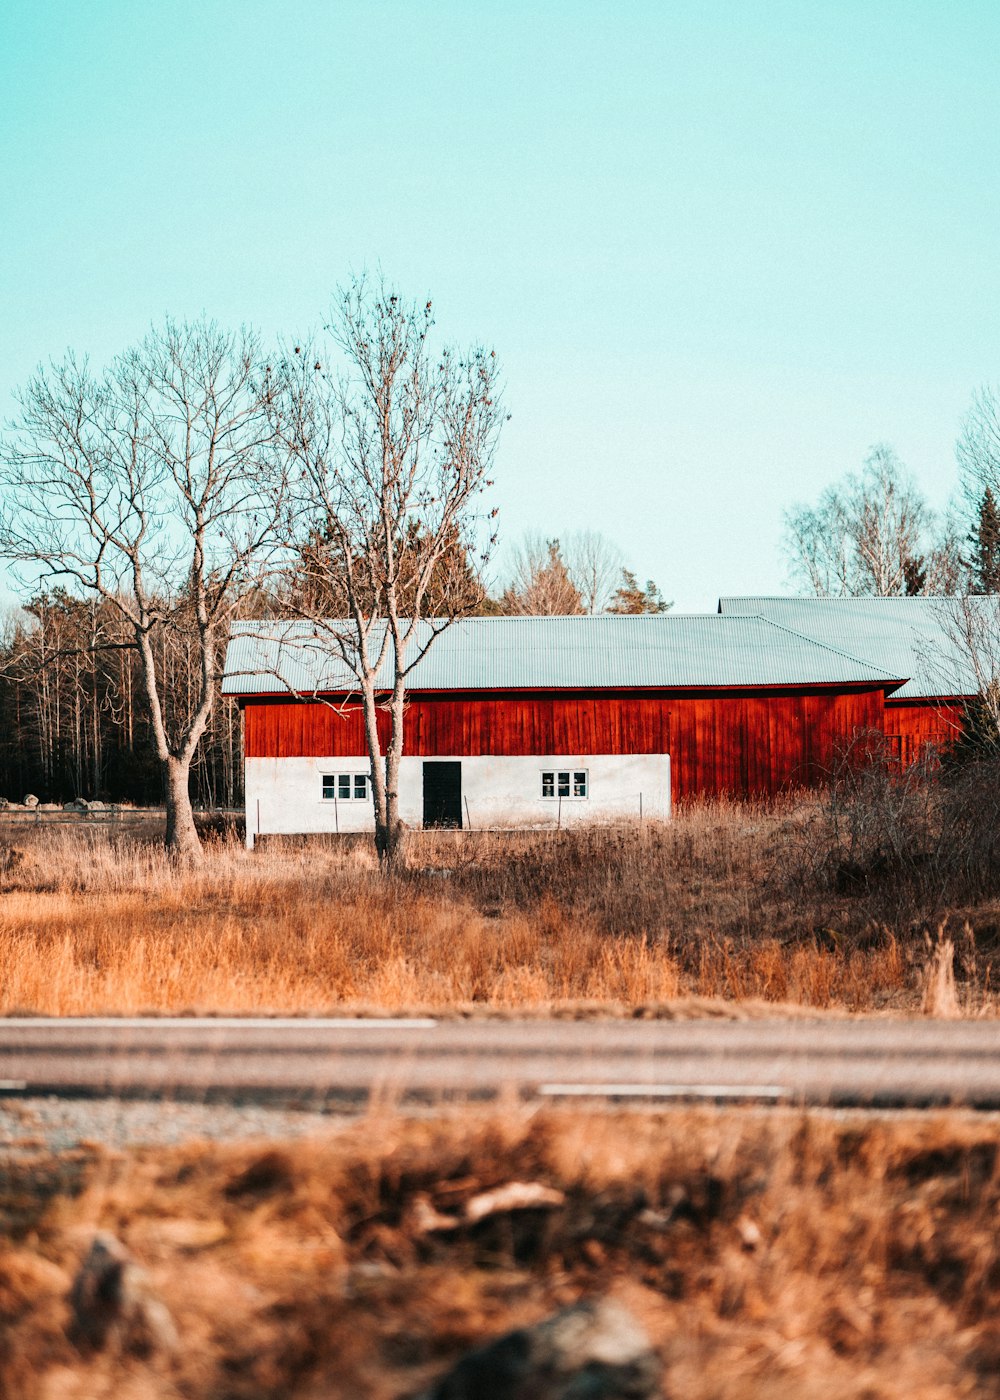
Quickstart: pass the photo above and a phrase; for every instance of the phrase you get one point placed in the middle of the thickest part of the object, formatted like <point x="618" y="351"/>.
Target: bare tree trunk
<point x="181" y="837"/>
<point x="390" y="841"/>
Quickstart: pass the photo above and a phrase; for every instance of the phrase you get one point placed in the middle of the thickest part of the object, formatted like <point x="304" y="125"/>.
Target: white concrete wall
<point x="284" y="795"/>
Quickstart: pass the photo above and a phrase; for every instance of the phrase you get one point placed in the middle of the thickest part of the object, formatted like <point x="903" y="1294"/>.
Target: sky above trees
<point x="722" y="250"/>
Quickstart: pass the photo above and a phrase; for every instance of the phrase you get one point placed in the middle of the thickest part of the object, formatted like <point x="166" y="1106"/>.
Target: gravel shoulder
<point x="28" y="1125"/>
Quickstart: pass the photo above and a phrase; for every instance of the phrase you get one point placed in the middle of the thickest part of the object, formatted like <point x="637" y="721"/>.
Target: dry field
<point x="723" y="904"/>
<point x="770" y="1255"/>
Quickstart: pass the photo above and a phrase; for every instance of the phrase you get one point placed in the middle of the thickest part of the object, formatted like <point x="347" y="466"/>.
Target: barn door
<point x="442" y="794"/>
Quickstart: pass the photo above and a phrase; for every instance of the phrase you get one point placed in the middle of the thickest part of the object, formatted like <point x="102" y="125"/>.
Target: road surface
<point x="880" y="1064"/>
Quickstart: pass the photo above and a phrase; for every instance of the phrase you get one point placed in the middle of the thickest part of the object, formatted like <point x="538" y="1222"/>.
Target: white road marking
<point x="252" y="1023"/>
<point x="664" y="1091"/>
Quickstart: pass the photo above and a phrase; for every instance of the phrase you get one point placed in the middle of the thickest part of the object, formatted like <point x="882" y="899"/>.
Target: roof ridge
<point x="845" y="655"/>
<point x="839" y="598"/>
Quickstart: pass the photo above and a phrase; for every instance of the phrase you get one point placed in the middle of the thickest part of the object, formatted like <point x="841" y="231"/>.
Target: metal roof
<point x="913" y="637"/>
<point x="671" y="651"/>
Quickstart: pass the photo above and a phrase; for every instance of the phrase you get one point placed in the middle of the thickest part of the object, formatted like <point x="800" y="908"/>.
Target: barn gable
<point x="912" y="637"/>
<point x="916" y="637"/>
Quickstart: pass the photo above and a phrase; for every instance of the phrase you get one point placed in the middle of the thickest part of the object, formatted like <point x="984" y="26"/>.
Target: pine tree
<point x="984" y="560"/>
<point x="914" y="575"/>
<point x="545" y="587"/>
<point x="631" y="598"/>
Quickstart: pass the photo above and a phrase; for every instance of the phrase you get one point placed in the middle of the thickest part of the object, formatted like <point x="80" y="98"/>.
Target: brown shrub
<point x="716" y="904"/>
<point x="767" y="1255"/>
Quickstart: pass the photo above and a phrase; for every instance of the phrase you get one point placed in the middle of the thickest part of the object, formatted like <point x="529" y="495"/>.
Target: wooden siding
<point x="916" y="725"/>
<point x="736" y="742"/>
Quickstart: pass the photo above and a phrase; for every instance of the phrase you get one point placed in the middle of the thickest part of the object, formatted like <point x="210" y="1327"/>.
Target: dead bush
<point x="905" y="843"/>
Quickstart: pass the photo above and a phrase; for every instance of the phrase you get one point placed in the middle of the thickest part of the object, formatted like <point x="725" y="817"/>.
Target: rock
<point x="592" y="1351"/>
<point x="425" y="1219"/>
<point x="4" y="804"/>
<point x="749" y="1233"/>
<point x="113" y="1304"/>
<point x="514" y="1196"/>
<point x="31" y="800"/>
<point x="97" y="806"/>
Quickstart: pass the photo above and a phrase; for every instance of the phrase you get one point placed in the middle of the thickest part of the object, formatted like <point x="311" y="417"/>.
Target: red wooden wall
<point x="737" y="742"/>
<point x="914" y="725"/>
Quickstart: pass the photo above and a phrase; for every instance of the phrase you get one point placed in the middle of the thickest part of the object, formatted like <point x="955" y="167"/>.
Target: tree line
<point x="873" y="531"/>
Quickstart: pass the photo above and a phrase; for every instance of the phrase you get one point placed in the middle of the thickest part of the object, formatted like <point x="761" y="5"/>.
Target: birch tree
<point x="392" y="444"/>
<point x="871" y="533"/>
<point x="595" y="565"/>
<point x="156" y="486"/>
<point x="967" y="662"/>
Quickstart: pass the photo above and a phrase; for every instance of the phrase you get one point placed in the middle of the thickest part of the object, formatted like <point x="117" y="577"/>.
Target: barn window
<point x="345" y="787"/>
<point x="570" y="782"/>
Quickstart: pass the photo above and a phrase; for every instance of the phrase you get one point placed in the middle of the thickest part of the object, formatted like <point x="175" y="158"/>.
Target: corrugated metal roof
<point x="669" y="651"/>
<point x="912" y="637"/>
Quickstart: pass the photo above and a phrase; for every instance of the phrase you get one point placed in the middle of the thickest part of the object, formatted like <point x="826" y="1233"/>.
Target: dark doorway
<point x="442" y="794"/>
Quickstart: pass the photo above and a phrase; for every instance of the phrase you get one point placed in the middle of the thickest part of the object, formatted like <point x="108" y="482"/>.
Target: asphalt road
<point x="880" y="1064"/>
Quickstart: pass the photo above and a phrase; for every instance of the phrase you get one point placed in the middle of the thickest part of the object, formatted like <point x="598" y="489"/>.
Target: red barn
<point x="551" y="720"/>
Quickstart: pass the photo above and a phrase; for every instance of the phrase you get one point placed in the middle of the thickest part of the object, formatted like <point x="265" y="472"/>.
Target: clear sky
<point x="721" y="247"/>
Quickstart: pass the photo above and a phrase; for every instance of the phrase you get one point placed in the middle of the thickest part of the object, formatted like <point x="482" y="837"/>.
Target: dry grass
<point x="773" y="1255"/>
<point x="96" y="920"/>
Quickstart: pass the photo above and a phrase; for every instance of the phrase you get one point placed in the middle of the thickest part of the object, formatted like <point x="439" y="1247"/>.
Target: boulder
<point x="113" y="1305"/>
<point x="31" y="800"/>
<point x="591" y="1351"/>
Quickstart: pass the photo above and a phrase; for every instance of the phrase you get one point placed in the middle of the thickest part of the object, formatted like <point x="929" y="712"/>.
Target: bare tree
<point x="966" y="662"/>
<point x="978" y="447"/>
<point x="155" y="485"/>
<point x="595" y="566"/>
<point x="871" y="534"/>
<point x="946" y="566"/>
<point x="393" y="454"/>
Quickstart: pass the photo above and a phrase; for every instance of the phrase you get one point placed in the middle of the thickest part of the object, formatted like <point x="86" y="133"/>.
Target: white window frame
<point x="352" y="781"/>
<point x="568" y="778"/>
